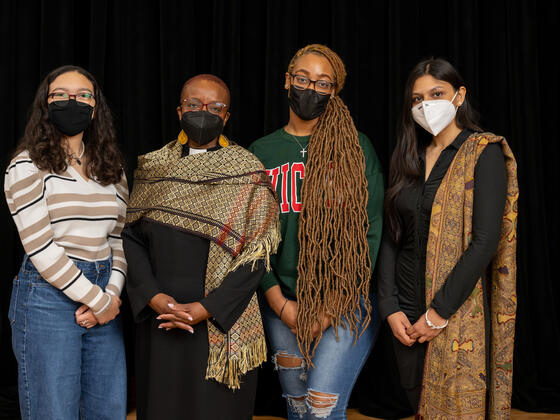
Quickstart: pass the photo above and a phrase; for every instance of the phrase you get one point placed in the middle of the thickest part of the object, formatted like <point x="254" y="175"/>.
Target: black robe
<point x="171" y="365"/>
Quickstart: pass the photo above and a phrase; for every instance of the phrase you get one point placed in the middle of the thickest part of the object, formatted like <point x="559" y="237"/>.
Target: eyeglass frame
<point x="332" y="84"/>
<point x="226" y="107"/>
<point x="70" y="95"/>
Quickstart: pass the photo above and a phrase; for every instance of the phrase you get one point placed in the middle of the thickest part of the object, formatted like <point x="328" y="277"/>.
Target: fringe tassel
<point x="221" y="367"/>
<point x="229" y="371"/>
<point x="261" y="249"/>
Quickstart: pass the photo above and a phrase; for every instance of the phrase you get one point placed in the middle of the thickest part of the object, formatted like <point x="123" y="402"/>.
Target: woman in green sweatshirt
<point x="320" y="316"/>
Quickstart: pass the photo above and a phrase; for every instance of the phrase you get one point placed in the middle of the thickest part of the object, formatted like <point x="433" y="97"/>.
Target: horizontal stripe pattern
<point x="62" y="216"/>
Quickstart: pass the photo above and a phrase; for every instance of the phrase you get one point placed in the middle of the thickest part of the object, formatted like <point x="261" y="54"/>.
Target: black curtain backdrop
<point x="142" y="51"/>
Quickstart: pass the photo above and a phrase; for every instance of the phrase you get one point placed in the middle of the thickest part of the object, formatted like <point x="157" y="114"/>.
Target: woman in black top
<point x="435" y="98"/>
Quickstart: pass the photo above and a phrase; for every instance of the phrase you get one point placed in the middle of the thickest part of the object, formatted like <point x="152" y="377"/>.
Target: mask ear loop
<point x="452" y="99"/>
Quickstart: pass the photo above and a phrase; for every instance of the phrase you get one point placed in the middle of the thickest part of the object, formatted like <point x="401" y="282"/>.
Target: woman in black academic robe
<point x="171" y="365"/>
<point x="168" y="272"/>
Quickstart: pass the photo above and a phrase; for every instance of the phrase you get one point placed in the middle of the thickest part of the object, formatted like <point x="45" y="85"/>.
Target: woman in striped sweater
<point x="67" y="193"/>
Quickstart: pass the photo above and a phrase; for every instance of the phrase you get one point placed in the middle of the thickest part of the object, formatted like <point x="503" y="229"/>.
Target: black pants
<point x="410" y="361"/>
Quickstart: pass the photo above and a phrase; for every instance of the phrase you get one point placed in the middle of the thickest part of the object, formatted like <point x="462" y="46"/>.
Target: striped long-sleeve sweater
<point x="61" y="217"/>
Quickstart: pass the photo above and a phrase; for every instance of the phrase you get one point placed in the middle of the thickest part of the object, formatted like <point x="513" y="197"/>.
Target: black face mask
<point x="307" y="104"/>
<point x="201" y="126"/>
<point x="72" y="118"/>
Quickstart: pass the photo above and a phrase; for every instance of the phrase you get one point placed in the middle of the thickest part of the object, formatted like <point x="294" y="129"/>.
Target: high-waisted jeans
<point x="321" y="392"/>
<point x="65" y="371"/>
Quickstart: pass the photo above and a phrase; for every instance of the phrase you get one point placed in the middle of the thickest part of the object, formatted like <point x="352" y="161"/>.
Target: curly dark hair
<point x="43" y="140"/>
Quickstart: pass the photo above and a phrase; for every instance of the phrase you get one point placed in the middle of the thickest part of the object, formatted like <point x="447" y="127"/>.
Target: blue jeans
<point x="321" y="392"/>
<point x="65" y="371"/>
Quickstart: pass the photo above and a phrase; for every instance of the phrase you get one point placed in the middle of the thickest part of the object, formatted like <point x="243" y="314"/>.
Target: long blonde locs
<point x="334" y="266"/>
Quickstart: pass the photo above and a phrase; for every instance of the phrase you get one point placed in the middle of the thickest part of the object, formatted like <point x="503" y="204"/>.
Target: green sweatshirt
<point x="282" y="157"/>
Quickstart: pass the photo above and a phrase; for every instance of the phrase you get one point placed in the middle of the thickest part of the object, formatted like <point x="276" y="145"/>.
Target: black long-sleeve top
<point x="402" y="267"/>
<point x="166" y="260"/>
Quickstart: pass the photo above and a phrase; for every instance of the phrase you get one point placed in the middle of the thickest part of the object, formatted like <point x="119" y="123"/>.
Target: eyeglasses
<point x="302" y="82"/>
<point x="62" y="98"/>
<point x="195" y="104"/>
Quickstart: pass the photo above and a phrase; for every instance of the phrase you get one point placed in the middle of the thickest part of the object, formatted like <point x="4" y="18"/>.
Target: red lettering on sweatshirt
<point x="288" y="200"/>
<point x="297" y="168"/>
<point x="273" y="174"/>
<point x="284" y="204"/>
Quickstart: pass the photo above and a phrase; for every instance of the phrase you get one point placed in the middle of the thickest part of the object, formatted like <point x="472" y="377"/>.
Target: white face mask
<point x="434" y="115"/>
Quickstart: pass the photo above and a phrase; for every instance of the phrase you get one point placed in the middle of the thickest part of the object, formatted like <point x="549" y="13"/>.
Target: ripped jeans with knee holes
<point x="321" y="392"/>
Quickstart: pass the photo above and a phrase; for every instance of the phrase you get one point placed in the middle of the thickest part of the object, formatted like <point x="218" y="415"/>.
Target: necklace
<point x="303" y="150"/>
<point x="78" y="158"/>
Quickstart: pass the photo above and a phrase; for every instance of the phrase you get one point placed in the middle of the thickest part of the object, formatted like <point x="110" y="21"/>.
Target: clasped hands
<point x="289" y="317"/>
<point x="178" y="315"/>
<point x="86" y="319"/>
<point x="287" y="310"/>
<point x="408" y="334"/>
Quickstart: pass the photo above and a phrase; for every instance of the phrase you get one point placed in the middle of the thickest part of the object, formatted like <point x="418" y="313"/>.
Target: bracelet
<point x="432" y="325"/>
<point x="282" y="310"/>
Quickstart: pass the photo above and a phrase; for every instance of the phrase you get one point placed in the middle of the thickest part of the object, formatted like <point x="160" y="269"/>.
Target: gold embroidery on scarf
<point x="455" y="376"/>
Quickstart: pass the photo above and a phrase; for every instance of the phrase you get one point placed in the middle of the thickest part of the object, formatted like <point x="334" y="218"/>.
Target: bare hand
<point x="399" y="324"/>
<point x="421" y="331"/>
<point x="183" y="315"/>
<point x="289" y="314"/>
<point x="85" y="317"/>
<point x="317" y="329"/>
<point x="160" y="303"/>
<point x="111" y="312"/>
<point x="284" y="308"/>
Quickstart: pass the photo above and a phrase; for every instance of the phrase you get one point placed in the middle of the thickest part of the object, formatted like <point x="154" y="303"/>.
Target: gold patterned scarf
<point x="226" y="197"/>
<point x="455" y="374"/>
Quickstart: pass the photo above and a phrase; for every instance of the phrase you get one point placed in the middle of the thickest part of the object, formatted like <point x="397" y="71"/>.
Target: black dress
<point x="171" y="365"/>
<point x="402" y="267"/>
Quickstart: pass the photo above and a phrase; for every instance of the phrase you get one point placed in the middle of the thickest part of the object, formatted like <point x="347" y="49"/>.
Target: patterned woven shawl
<point x="226" y="197"/>
<point x="455" y="375"/>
